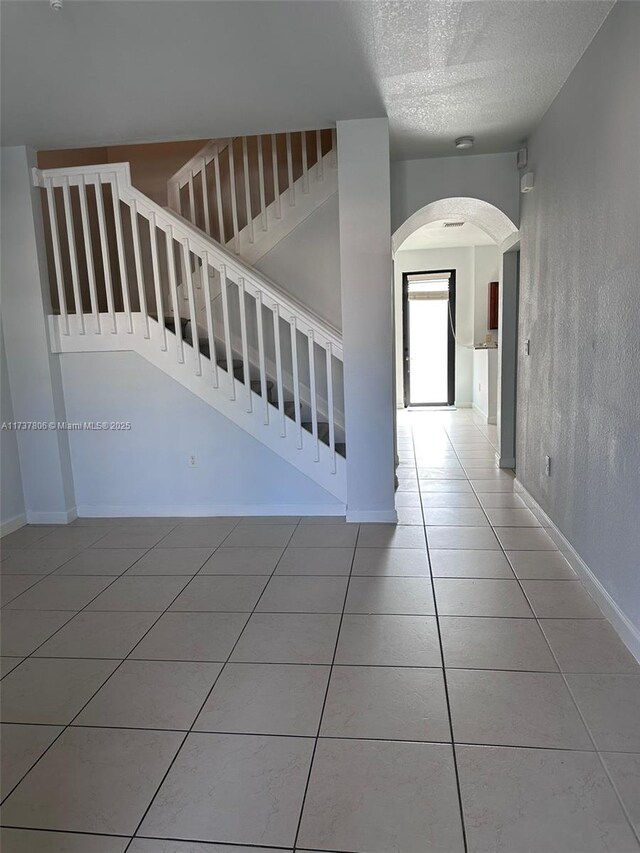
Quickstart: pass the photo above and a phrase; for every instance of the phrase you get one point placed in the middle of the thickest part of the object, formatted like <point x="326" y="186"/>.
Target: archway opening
<point x="464" y="242"/>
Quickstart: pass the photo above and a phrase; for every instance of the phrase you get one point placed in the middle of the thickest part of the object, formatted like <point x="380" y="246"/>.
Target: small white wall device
<point x="523" y="157"/>
<point x="526" y="182"/>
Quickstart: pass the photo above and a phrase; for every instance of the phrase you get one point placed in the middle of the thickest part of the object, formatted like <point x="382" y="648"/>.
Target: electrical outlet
<point x="547" y="465"/>
<point x="192" y="462"/>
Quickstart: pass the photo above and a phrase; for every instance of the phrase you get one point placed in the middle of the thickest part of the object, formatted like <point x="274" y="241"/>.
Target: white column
<point x="367" y="317"/>
<point x="34" y="372"/>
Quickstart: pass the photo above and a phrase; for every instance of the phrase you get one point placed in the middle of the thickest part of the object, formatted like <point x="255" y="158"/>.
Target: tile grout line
<point x="121" y="660"/>
<point x="595" y="751"/>
<point x="269" y="577"/>
<point x="442" y="658"/>
<point x="32" y="655"/>
<point x="217" y="678"/>
<point x="326" y="694"/>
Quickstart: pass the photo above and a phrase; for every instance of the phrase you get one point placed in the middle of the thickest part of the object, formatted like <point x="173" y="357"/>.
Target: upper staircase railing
<point x="235" y="190"/>
<point x="120" y="263"/>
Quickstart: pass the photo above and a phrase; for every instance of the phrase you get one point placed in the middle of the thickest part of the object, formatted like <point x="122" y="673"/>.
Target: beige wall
<point x="151" y="165"/>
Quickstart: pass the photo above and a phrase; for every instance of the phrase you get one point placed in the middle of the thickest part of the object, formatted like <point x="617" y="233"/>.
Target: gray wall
<point x="11" y="496"/>
<point x="367" y="318"/>
<point x="144" y="471"/>
<point x="306" y="263"/>
<point x="579" y="391"/>
<point x="490" y="177"/>
<point x="34" y="372"/>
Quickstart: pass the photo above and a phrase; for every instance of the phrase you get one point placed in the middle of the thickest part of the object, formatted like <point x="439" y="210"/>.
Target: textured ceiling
<point x="435" y="236"/>
<point x="124" y="71"/>
<point x="487" y="69"/>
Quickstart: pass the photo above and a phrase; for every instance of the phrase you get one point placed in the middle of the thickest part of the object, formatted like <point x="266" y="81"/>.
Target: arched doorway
<point x="492" y="228"/>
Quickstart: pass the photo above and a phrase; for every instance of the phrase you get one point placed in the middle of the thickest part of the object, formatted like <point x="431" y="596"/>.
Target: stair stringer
<point x="247" y="410"/>
<point x="200" y="311"/>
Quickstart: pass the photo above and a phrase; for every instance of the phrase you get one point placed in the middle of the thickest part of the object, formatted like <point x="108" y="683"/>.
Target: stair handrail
<point x="202" y="158"/>
<point x="227" y="213"/>
<point x="181" y="229"/>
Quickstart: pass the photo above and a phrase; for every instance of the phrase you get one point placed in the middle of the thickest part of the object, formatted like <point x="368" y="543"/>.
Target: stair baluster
<point x="246" y="367"/>
<point x="296" y="379"/>
<point x="265" y="354"/>
<point x="206" y="284"/>
<point x="135" y="231"/>
<point x="88" y="253"/>
<point x="261" y="356"/>
<point x="73" y="255"/>
<point x="104" y="250"/>
<point x="122" y="265"/>
<point x="55" y="241"/>
<point x="280" y="383"/>
<point x="173" y="286"/>
<point x="157" y="281"/>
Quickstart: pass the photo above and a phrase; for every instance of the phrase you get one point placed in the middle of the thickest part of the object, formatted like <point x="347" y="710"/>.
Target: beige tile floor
<point x="281" y="684"/>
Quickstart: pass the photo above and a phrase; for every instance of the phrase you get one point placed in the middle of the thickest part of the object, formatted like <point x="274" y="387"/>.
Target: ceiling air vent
<point x="452" y="224"/>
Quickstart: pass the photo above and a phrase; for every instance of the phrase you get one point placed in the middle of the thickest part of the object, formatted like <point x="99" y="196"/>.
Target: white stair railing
<point x="233" y="189"/>
<point x="122" y="265"/>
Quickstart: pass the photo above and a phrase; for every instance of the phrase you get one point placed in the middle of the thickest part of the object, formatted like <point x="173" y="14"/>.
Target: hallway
<point x="278" y="683"/>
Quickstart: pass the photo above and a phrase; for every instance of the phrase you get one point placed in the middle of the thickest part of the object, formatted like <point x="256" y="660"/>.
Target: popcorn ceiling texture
<point x="438" y="68"/>
<point x="490" y="68"/>
<point x="579" y="391"/>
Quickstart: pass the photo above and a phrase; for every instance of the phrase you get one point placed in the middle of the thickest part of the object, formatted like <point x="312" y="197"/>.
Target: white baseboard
<point x="12" y="524"/>
<point x="624" y="627"/>
<point x="463" y="405"/>
<point x="488" y="420"/>
<point x="373" y="517"/>
<point x="52" y="517"/>
<point x="200" y="511"/>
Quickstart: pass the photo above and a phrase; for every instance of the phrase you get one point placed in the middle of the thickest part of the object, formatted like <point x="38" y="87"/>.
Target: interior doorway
<point x="429" y="312"/>
<point x="414" y="246"/>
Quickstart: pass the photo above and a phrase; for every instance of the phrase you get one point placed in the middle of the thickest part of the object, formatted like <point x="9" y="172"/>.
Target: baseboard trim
<point x="463" y="405"/>
<point x="52" y="517"/>
<point x="484" y="415"/>
<point x="211" y="510"/>
<point x="373" y="517"/>
<point x="12" y="524"/>
<point x="623" y="626"/>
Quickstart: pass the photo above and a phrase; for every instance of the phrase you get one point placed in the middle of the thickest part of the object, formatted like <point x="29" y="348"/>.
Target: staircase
<point x="249" y="192"/>
<point x="128" y="274"/>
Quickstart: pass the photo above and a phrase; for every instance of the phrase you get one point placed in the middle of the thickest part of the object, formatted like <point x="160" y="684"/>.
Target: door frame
<point x="451" y="340"/>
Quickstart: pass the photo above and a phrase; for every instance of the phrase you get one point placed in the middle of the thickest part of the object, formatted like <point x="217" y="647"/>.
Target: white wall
<point x="485" y="383"/>
<point x="306" y="263"/>
<point x="11" y="495"/>
<point x="490" y="177"/>
<point x="486" y="268"/>
<point x="367" y="317"/>
<point x="34" y="373"/>
<point x="144" y="471"/>
<point x="578" y="392"/>
<point x="465" y="264"/>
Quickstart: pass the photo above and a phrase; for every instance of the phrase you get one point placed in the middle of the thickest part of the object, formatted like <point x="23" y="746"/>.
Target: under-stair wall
<point x="146" y="470"/>
<point x="145" y="280"/>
